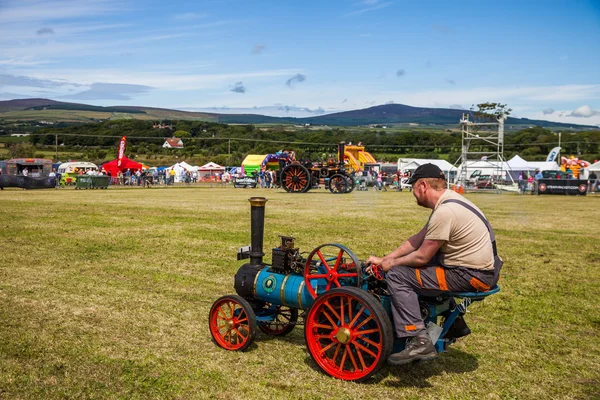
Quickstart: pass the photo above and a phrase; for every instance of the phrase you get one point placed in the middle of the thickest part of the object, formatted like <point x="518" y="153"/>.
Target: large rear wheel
<point x="295" y="178"/>
<point x="348" y="334"/>
<point x="232" y="323"/>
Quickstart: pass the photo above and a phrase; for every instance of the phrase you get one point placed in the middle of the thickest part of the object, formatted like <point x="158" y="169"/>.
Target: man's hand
<point x="374" y="260"/>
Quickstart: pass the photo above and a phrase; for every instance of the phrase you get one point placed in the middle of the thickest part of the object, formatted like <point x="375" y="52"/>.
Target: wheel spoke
<point x="343" y="358"/>
<point x="360" y="357"/>
<point x="342" y="320"/>
<point x="366" y="332"/>
<point x="364" y="322"/>
<point x="324" y="349"/>
<point x="219" y="327"/>
<point x="350" y="318"/>
<point x="220" y="310"/>
<point x="356" y="316"/>
<point x="317" y="276"/>
<point x="337" y="261"/>
<point x="332" y="310"/>
<point x="352" y="358"/>
<point x="329" y="318"/>
<point x="337" y="350"/>
<point x="366" y="350"/>
<point x="369" y="341"/>
<point x="239" y="333"/>
<point x="349" y="275"/>
<point x="323" y="326"/>
<point x="323" y="260"/>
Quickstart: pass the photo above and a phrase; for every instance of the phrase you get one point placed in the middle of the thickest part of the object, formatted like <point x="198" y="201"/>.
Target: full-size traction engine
<point x="344" y="306"/>
<point x="298" y="178"/>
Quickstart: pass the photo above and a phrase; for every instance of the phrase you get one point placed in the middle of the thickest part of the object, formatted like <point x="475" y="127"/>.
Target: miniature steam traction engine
<point x="298" y="178"/>
<point x="345" y="307"/>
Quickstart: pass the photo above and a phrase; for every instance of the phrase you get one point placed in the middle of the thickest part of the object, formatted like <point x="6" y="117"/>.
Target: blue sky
<point x="307" y="57"/>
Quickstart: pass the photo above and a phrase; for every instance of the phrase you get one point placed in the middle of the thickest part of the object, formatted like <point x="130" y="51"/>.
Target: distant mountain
<point x="377" y="115"/>
<point x="387" y="114"/>
<point x="23" y="104"/>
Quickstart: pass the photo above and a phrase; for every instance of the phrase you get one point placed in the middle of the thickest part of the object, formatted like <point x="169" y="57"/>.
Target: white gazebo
<point x="210" y="169"/>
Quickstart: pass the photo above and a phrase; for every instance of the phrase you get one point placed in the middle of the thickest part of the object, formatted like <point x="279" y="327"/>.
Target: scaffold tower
<point x="482" y="145"/>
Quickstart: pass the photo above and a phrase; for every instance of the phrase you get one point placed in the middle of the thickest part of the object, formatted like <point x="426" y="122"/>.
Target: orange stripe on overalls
<point x="441" y="278"/>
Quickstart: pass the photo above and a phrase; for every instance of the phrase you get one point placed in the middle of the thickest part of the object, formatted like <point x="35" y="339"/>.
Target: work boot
<point x="417" y="348"/>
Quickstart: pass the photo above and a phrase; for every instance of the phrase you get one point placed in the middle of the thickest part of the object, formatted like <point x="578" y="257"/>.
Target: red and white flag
<point x="121" y="150"/>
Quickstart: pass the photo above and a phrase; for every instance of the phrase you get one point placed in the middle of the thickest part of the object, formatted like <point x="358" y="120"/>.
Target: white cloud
<point x="585" y="112"/>
<point x="49" y="10"/>
<point x="172" y="80"/>
<point x="372" y="7"/>
<point x="564" y="117"/>
<point x="188" y="16"/>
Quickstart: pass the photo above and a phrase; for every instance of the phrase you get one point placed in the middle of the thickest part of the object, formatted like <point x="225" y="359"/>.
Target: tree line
<point x="231" y="143"/>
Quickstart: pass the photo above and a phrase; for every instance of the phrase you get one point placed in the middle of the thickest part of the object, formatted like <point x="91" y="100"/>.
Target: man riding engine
<point x="454" y="252"/>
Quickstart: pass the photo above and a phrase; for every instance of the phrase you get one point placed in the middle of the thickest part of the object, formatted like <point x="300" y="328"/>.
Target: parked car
<point x="554" y="175"/>
<point x="484" y="182"/>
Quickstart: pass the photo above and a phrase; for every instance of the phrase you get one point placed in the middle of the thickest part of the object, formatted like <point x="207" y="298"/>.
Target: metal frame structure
<point x="473" y="137"/>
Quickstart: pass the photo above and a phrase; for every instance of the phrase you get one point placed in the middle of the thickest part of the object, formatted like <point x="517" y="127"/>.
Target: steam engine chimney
<point x="257" y="229"/>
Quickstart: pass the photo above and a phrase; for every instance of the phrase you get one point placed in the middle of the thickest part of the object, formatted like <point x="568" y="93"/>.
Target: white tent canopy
<point x="180" y="169"/>
<point x="487" y="167"/>
<point x="410" y="164"/>
<point x="211" y="166"/>
<point x="518" y="164"/>
<point x="594" y="167"/>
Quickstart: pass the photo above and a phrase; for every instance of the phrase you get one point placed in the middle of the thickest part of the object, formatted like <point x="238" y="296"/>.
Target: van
<point x="69" y="171"/>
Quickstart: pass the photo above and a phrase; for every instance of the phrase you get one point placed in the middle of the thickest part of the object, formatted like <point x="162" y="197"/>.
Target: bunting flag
<point x="121" y="150"/>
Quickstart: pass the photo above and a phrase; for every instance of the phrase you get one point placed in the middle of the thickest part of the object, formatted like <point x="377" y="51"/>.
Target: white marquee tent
<point x="410" y="164"/>
<point x="594" y="167"/>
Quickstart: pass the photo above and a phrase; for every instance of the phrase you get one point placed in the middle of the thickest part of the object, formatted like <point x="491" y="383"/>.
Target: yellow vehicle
<point x="69" y="171"/>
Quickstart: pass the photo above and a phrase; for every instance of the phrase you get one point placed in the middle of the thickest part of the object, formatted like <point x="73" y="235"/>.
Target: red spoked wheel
<point x="334" y="263"/>
<point x="348" y="334"/>
<point x="295" y="178"/>
<point x="283" y="322"/>
<point x="232" y="323"/>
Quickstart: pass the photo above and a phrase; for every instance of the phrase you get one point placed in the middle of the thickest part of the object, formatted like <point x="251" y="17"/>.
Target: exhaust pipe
<point x="257" y="229"/>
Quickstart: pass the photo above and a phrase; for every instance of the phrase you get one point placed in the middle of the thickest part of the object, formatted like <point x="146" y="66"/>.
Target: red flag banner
<point x="121" y="150"/>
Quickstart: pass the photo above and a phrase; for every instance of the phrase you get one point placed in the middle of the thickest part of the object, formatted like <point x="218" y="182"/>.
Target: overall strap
<point x="481" y="217"/>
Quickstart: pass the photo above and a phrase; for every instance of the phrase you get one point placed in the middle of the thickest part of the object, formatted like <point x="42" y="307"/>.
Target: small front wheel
<point x="232" y="323"/>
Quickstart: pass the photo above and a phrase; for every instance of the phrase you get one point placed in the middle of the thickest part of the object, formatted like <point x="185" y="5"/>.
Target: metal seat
<point x="473" y="295"/>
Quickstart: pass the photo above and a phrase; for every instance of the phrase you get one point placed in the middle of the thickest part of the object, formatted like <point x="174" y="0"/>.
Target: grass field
<point x="105" y="294"/>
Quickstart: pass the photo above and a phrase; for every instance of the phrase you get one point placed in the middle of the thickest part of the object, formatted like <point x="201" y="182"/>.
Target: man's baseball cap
<point x="426" y="171"/>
